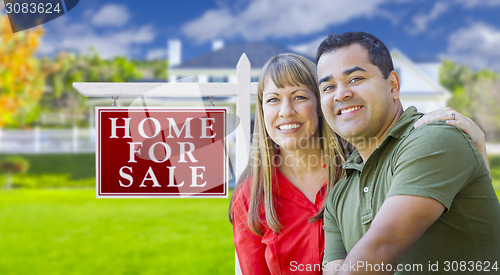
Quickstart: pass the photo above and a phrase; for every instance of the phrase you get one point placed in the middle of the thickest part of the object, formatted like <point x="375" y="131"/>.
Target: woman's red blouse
<point x="298" y="248"/>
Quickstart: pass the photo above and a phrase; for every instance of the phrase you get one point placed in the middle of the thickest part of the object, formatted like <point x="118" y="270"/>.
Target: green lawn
<point x="69" y="231"/>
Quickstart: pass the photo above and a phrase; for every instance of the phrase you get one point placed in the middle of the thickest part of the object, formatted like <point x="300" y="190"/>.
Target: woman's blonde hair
<point x="284" y="70"/>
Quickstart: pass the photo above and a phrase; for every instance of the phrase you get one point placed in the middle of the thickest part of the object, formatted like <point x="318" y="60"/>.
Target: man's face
<point x="355" y="98"/>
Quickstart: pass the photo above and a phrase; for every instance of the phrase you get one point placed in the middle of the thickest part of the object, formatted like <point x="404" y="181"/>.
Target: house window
<point x="255" y="78"/>
<point x="218" y="79"/>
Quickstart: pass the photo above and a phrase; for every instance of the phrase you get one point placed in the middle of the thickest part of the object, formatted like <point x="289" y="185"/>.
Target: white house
<point x="419" y="80"/>
<point x="219" y="64"/>
<point x="420" y="83"/>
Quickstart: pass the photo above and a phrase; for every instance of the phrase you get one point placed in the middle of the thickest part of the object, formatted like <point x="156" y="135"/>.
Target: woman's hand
<point x="454" y="118"/>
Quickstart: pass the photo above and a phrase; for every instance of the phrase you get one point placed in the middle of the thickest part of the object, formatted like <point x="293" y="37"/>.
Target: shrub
<point x="13" y="165"/>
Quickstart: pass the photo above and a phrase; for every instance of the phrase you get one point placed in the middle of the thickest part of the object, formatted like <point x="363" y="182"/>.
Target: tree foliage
<point x="90" y="67"/>
<point x="153" y="69"/>
<point x="21" y="79"/>
<point x="29" y="86"/>
<point x="475" y="94"/>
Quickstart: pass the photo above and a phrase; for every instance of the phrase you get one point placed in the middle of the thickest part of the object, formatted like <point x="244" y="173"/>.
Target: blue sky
<point x="466" y="31"/>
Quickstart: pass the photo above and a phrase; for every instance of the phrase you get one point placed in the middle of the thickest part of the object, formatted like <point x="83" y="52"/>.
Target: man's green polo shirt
<point x="437" y="161"/>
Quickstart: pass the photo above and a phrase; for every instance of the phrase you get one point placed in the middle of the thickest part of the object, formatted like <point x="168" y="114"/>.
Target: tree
<point x="153" y="69"/>
<point x="89" y="67"/>
<point x="21" y="80"/>
<point x="475" y="94"/>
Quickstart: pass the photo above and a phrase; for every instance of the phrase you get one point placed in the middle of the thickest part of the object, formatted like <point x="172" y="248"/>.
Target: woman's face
<point x="290" y="115"/>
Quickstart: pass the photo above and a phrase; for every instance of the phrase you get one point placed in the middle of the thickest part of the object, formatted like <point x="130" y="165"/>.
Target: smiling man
<point x="413" y="201"/>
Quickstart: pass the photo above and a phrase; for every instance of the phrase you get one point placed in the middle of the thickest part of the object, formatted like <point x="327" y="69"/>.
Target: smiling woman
<point x="275" y="206"/>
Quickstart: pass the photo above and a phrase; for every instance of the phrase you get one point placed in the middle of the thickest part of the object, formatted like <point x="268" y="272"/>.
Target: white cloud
<point x="479" y="3"/>
<point x="475" y="46"/>
<point x="111" y="15"/>
<point x="80" y="37"/>
<point x="309" y="48"/>
<point x="158" y="53"/>
<point x="277" y="19"/>
<point x="422" y="20"/>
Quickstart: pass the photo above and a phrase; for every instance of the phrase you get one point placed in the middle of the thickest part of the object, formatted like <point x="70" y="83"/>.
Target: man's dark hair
<point x="378" y="53"/>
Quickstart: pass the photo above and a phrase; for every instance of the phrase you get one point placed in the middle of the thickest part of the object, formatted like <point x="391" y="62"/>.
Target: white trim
<point x="153" y="89"/>
<point x="440" y="90"/>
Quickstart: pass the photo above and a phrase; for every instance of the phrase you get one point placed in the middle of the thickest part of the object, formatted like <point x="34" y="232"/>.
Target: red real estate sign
<point x="161" y="152"/>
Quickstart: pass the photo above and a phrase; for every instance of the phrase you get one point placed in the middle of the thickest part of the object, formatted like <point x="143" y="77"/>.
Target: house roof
<point x="420" y="83"/>
<point x="227" y="57"/>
